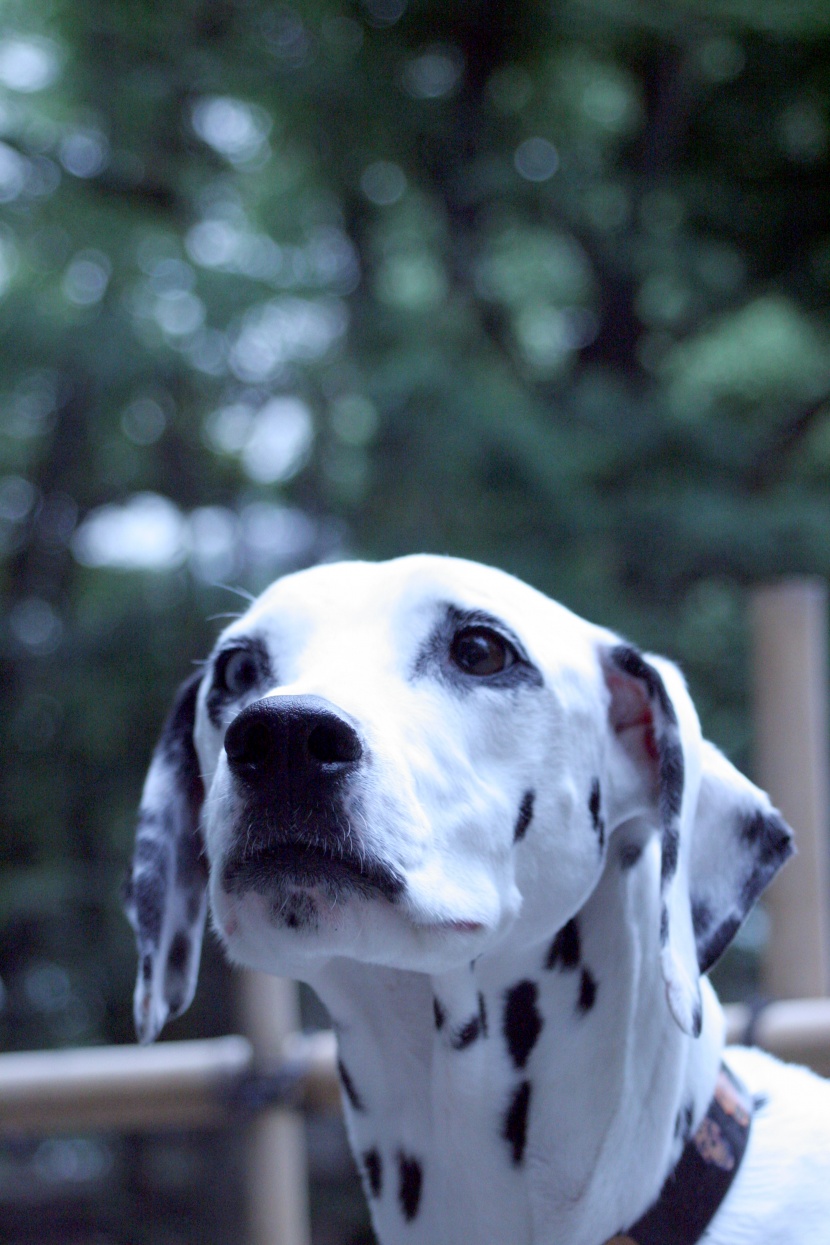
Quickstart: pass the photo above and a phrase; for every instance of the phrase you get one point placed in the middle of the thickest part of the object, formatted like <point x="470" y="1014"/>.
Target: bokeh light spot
<point x="28" y="65"/>
<point x="36" y="625"/>
<point x="143" y="421"/>
<point x="84" y="152"/>
<point x="86" y="278"/>
<point x="17" y="497"/>
<point x="146" y="533"/>
<point x="238" y="131"/>
<point x="279" y="440"/>
<point x="434" y="73"/>
<point x="383" y="13"/>
<point x="383" y="183"/>
<point x="536" y="159"/>
<point x="13" y="171"/>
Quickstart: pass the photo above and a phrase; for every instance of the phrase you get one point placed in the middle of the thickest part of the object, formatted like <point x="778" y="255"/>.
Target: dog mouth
<point x="267" y="870"/>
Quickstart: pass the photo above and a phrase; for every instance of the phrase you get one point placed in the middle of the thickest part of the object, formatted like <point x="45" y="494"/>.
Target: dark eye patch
<point x="471" y="649"/>
<point x="237" y="669"/>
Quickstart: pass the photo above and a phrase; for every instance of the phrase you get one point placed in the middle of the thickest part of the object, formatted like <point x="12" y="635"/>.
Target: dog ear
<point x="721" y="841"/>
<point x="653" y="790"/>
<point x="739" y="844"/>
<point x="166" y="890"/>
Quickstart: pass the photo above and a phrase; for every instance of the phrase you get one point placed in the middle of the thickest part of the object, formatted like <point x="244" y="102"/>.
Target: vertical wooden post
<point x="277" y="1167"/>
<point x="790" y="636"/>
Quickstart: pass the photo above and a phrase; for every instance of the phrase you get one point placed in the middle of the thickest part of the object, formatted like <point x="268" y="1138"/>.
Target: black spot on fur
<point x="522" y="1021"/>
<point x="440" y="1014"/>
<point x="630" y="661"/>
<point x="373" y="1168"/>
<point x="664" y="925"/>
<point x="765" y="842"/>
<point x="711" y="942"/>
<point x="191" y="866"/>
<point x="697" y="1019"/>
<point x="295" y="910"/>
<point x="179" y="953"/>
<point x="514" y="1129"/>
<point x="711" y="946"/>
<point x="564" y="951"/>
<point x="151" y="846"/>
<point x="671" y="778"/>
<point x="701" y="917"/>
<point x="169" y="834"/>
<point x="668" y="749"/>
<point x="149" y="892"/>
<point x="630" y="855"/>
<point x="475" y="1027"/>
<point x="594" y="805"/>
<point x="410" y="1180"/>
<point x="683" y="1123"/>
<point x="194" y="904"/>
<point x="770" y="839"/>
<point x="525" y="815"/>
<point x="587" y="992"/>
<point x="770" y="843"/>
<point x="174" y="994"/>
<point x="760" y="1101"/>
<point x="177" y="747"/>
<point x="349" y="1087"/>
<point x="670" y="852"/>
<point x="467" y="1034"/>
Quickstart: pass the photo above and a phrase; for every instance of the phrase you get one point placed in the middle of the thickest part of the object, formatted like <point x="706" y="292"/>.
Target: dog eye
<point x="236" y="671"/>
<point x="480" y="651"/>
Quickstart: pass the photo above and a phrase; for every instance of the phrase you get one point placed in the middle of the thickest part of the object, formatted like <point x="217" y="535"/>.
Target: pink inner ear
<point x="631" y="715"/>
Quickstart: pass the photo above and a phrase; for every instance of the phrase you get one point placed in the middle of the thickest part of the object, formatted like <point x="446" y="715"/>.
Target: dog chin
<point x="292" y="929"/>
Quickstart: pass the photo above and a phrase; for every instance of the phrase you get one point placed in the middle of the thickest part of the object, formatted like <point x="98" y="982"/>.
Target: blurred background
<point x="541" y="284"/>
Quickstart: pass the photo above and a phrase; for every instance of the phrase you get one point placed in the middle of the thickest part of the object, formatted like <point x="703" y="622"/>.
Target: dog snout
<point x="304" y="739"/>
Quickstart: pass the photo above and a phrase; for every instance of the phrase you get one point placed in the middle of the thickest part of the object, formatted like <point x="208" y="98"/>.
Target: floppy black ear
<point x="166" y="890"/>
<point x="739" y="843"/>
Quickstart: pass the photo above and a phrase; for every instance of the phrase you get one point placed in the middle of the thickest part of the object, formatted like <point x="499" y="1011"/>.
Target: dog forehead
<point x="397" y="602"/>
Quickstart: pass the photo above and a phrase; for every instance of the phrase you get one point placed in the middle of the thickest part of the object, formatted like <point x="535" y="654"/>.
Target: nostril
<point x="334" y="742"/>
<point x="248" y="742"/>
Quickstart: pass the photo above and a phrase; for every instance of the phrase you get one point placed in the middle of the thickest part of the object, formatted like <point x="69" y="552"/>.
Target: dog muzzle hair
<point x="484" y="830"/>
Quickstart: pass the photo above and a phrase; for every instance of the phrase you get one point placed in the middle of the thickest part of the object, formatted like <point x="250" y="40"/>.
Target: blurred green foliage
<point x="539" y="284"/>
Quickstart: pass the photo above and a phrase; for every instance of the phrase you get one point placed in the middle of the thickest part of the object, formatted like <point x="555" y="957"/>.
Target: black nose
<point x="291" y="741"/>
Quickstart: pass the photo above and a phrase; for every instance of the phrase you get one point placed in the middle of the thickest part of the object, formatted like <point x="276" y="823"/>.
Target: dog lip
<point x="453" y="927"/>
<point x="305" y="865"/>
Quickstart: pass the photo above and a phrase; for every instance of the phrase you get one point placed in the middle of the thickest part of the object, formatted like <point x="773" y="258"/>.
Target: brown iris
<point x="481" y="651"/>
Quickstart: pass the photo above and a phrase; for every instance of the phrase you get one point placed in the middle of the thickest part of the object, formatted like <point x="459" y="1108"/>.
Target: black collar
<point x="694" y="1191"/>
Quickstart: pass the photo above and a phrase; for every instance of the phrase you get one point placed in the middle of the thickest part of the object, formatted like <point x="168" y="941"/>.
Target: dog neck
<point x="539" y="1095"/>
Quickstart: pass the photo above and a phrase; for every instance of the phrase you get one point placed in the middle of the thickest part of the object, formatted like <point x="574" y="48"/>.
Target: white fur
<point x="436" y="798"/>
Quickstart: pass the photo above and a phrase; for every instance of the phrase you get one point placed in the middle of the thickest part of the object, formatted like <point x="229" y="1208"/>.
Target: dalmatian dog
<point x="490" y="836"/>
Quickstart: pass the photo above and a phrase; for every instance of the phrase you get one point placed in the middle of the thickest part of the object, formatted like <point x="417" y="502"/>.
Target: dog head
<point x="408" y="763"/>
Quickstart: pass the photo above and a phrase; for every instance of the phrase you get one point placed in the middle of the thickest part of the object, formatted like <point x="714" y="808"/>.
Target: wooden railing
<point x="209" y="1084"/>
